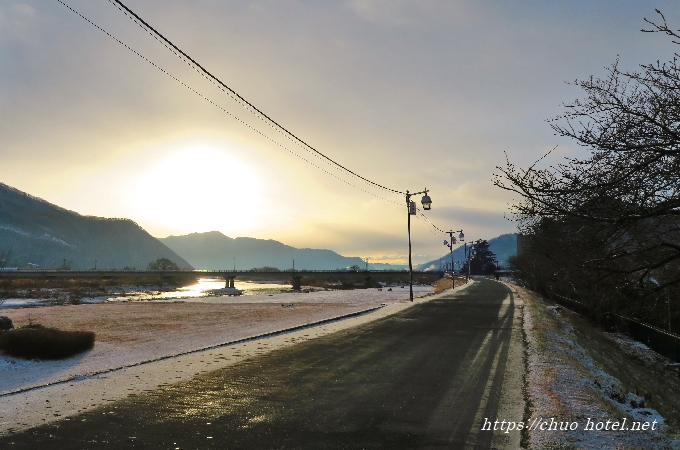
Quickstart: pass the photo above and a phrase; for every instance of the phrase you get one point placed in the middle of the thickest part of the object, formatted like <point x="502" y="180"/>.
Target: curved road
<point x="423" y="378"/>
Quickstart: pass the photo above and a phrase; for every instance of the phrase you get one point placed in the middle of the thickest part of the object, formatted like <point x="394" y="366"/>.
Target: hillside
<point x="504" y="246"/>
<point x="214" y="250"/>
<point x="35" y="232"/>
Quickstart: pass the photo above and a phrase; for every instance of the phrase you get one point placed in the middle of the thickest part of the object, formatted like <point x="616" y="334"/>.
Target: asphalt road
<point x="423" y="378"/>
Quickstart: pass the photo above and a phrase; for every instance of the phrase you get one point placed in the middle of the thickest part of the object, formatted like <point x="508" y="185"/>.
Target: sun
<point x="200" y="188"/>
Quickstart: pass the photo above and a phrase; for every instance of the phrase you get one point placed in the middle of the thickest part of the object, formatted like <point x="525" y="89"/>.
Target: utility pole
<point x="469" y="261"/>
<point x="449" y="244"/>
<point x="411" y="210"/>
<point x="468" y="255"/>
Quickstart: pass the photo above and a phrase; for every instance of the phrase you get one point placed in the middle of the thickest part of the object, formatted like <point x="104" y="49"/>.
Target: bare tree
<point x="624" y="199"/>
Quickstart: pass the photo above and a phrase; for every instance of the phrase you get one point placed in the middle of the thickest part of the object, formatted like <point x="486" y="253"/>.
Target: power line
<point x="433" y="225"/>
<point x="251" y="107"/>
<point x="165" y="72"/>
<point x="239" y="99"/>
<point x="221" y="87"/>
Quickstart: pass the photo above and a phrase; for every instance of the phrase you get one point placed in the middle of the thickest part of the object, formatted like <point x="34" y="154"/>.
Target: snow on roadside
<point x="565" y="385"/>
<point x="8" y="363"/>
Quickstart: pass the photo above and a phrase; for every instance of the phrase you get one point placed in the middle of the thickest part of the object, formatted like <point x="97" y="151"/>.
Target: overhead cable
<point x="251" y="107"/>
<point x="234" y="95"/>
<point x="220" y="107"/>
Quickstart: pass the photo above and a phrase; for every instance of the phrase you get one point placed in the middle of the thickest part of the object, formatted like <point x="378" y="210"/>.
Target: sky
<point x="408" y="94"/>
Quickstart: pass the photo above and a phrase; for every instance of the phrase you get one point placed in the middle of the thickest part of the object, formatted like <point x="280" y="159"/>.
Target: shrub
<point x="37" y="342"/>
<point x="5" y="323"/>
<point x="162" y="264"/>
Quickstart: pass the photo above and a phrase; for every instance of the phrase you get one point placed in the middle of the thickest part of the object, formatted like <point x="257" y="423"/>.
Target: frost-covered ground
<point x="567" y="388"/>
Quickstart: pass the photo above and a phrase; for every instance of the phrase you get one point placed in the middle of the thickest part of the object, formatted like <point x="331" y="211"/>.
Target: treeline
<point x="605" y="230"/>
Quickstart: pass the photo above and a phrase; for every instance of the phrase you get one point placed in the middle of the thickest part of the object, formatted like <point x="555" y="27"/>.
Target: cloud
<point x="402" y="13"/>
<point x="476" y="223"/>
<point x="16" y="22"/>
<point x="408" y="94"/>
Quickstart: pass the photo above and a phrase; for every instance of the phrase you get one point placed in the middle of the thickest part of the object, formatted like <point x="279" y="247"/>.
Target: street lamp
<point x="468" y="257"/>
<point x="449" y="244"/>
<point x="411" y="211"/>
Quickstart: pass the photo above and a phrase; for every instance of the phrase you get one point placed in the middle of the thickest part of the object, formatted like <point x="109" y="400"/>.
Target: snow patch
<point x="23" y="233"/>
<point x="8" y="363"/>
<point x="49" y="237"/>
<point x="45" y="236"/>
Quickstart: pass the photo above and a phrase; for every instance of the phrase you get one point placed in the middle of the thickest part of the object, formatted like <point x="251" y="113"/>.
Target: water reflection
<point x="206" y="287"/>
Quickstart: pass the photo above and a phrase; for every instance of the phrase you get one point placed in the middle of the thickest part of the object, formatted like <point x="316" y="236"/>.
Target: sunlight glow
<point x="201" y="188"/>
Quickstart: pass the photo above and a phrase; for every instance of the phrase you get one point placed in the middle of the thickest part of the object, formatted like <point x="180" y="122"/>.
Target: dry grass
<point x="443" y="284"/>
<point x="567" y="356"/>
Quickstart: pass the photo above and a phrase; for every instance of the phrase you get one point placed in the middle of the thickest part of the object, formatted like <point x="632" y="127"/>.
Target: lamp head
<point x="426" y="201"/>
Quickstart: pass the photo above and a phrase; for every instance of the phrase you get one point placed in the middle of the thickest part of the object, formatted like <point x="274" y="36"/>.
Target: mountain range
<point x="214" y="250"/>
<point x="36" y="233"/>
<point x="504" y="246"/>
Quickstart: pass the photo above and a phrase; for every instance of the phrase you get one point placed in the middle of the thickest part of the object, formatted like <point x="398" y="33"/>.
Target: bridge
<point x="295" y="277"/>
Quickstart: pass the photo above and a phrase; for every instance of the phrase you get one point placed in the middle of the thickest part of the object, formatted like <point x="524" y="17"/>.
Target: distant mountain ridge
<point x="36" y="232"/>
<point x="504" y="246"/>
<point x="213" y="250"/>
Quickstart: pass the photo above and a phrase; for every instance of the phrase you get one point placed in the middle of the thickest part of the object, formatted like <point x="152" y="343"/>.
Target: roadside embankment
<point x="576" y="395"/>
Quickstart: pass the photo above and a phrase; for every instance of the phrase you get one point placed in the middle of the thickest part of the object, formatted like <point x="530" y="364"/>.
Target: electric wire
<point x="243" y="101"/>
<point x="222" y="108"/>
<point x="159" y="37"/>
<point x="433" y="225"/>
<point x="229" y="93"/>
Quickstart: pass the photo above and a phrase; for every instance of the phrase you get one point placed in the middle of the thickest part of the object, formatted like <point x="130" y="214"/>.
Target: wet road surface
<point x="423" y="378"/>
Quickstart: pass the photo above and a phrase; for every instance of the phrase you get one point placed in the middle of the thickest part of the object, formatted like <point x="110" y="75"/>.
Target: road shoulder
<point x="512" y="402"/>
